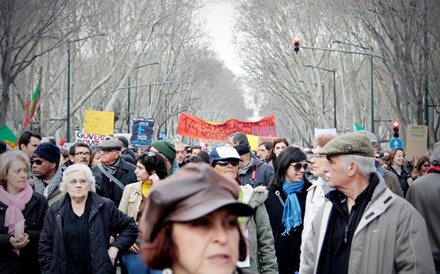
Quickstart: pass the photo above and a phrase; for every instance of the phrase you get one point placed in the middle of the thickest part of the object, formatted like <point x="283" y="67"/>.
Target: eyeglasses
<point x="151" y="154"/>
<point x="426" y="165"/>
<point x="81" y="182"/>
<point x="37" y="162"/>
<point x="82" y="154"/>
<point x="298" y="166"/>
<point x="225" y="163"/>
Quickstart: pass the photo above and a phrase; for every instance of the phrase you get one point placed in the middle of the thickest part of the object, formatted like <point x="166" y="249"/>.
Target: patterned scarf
<point x="292" y="209"/>
<point x="112" y="168"/>
<point x="16" y="204"/>
<point x="48" y="188"/>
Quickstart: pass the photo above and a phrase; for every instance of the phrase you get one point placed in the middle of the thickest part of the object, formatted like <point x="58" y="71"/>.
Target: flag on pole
<point x="32" y="106"/>
<point x="357" y="127"/>
<point x="8" y="136"/>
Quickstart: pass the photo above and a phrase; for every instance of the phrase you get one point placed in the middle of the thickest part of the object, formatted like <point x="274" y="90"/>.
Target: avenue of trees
<point x="115" y="44"/>
<point x="112" y="45"/>
<point x="405" y="34"/>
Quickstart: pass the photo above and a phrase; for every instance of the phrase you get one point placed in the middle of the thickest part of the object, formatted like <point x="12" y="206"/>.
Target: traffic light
<point x="296" y="44"/>
<point x="396" y="129"/>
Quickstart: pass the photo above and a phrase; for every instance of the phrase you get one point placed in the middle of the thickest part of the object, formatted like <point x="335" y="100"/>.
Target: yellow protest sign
<point x="99" y="122"/>
<point x="416" y="141"/>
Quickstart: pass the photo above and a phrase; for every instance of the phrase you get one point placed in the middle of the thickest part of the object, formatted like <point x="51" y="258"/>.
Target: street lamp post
<point x="370" y="55"/>
<point x="334" y="90"/>
<point x="68" y="81"/>
<point x="129" y="93"/>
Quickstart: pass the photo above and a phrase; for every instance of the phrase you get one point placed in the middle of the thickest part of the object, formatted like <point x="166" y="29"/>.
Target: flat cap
<point x="192" y="192"/>
<point x="111" y="144"/>
<point x="354" y="143"/>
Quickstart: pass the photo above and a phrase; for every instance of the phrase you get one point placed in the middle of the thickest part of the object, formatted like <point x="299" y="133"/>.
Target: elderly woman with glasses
<point x="191" y="224"/>
<point x="21" y="215"/>
<point x="262" y="258"/>
<point x="150" y="168"/>
<point x="77" y="228"/>
<point x="286" y="207"/>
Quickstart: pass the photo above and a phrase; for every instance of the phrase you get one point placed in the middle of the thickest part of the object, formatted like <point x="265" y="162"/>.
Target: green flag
<point x="8" y="136"/>
<point x="357" y="127"/>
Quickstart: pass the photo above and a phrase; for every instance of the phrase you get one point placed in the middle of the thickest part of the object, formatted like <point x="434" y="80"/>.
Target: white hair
<point x="366" y="165"/>
<point x="74" y="168"/>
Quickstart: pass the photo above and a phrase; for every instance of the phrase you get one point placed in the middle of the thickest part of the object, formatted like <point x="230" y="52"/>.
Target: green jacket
<point x="261" y="242"/>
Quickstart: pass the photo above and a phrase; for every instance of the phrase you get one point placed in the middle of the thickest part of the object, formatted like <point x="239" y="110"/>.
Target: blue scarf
<point x="292" y="209"/>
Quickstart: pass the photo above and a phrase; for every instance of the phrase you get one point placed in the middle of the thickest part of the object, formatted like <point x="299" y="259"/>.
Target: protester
<point x="126" y="151"/>
<point x="180" y="152"/>
<point x="77" y="229"/>
<point x="195" y="150"/>
<point x="95" y="154"/>
<point x="3" y="147"/>
<point x="19" y="204"/>
<point x="47" y="172"/>
<point x="423" y="194"/>
<point x="265" y="151"/>
<point x="261" y="247"/>
<point x="279" y="145"/>
<point x="315" y="193"/>
<point x="167" y="149"/>
<point x="113" y="173"/>
<point x="421" y="167"/>
<point x="395" y="164"/>
<point x="150" y="168"/>
<point x="64" y="158"/>
<point x="28" y="142"/>
<point x="286" y="206"/>
<point x="190" y="224"/>
<point x="252" y="171"/>
<point x="363" y="227"/>
<point x="79" y="152"/>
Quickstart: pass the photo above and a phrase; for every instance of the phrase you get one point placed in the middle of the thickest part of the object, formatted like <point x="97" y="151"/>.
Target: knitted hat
<point x="242" y="149"/>
<point x="354" y="143"/>
<point x="166" y="148"/>
<point x="48" y="152"/>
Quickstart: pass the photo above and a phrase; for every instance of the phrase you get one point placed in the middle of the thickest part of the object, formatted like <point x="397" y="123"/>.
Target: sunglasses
<point x="37" y="162"/>
<point x="298" y="166"/>
<point x="225" y="163"/>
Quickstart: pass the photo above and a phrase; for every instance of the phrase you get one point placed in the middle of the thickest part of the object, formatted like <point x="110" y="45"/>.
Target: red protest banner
<point x="194" y="127"/>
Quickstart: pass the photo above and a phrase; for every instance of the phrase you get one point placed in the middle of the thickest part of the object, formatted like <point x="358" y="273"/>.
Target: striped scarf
<point x="47" y="188"/>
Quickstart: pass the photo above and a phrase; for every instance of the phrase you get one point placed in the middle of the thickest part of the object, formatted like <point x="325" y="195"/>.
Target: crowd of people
<point x="342" y="206"/>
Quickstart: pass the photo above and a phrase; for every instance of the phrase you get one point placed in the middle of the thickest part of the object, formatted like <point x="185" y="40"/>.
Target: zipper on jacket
<point x="348" y="225"/>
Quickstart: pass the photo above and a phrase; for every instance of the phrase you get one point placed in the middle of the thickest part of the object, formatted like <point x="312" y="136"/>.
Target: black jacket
<point x="104" y="220"/>
<point x="259" y="173"/>
<point x="287" y="248"/>
<point x="125" y="174"/>
<point x="27" y="262"/>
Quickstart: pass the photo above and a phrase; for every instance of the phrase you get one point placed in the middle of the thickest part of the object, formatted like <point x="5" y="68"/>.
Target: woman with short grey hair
<point x="77" y="228"/>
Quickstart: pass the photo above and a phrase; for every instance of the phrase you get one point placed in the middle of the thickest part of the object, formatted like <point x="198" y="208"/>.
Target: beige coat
<point x="390" y="238"/>
<point x="131" y="199"/>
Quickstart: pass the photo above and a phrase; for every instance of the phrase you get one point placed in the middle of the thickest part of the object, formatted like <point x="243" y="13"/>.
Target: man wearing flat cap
<point x="113" y="173"/>
<point x="47" y="173"/>
<point x="363" y="227"/>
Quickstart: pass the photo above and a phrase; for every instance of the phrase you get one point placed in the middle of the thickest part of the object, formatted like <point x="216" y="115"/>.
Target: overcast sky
<point x="220" y="20"/>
